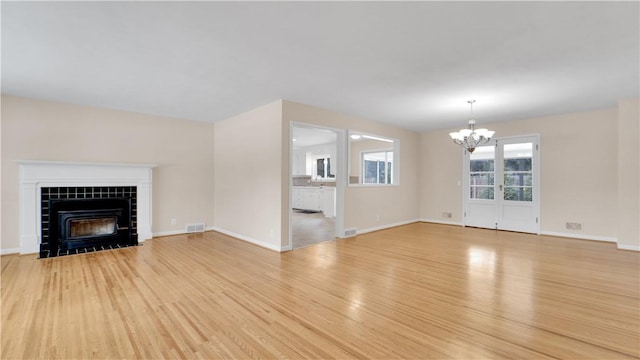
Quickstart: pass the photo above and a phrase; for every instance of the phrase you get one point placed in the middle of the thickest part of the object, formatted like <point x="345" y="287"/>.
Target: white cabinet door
<point x="294" y="164"/>
<point x="302" y="163"/>
<point x="312" y="199"/>
<point x="307" y="199"/>
<point x="298" y="199"/>
<point x="329" y="202"/>
<point x="299" y="162"/>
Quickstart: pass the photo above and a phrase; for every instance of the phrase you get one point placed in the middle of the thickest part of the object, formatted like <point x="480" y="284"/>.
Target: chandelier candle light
<point x="471" y="138"/>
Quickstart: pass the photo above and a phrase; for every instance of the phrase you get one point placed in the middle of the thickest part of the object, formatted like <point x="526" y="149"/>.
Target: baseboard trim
<point x="9" y="251"/>
<point x="442" y="222"/>
<point x="383" y="227"/>
<point x="628" y="247"/>
<point x="368" y="230"/>
<point x="559" y="234"/>
<point x="230" y="233"/>
<point x="580" y="236"/>
<point x="169" y="233"/>
<point x="248" y="239"/>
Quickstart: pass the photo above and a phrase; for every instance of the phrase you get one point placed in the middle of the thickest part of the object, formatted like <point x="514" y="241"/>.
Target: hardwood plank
<point x="416" y="291"/>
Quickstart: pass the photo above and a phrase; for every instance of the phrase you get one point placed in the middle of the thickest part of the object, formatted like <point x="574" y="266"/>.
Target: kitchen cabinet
<point x="329" y="202"/>
<point x="307" y="198"/>
<point x="315" y="199"/>
<point x="297" y="199"/>
<point x="299" y="162"/>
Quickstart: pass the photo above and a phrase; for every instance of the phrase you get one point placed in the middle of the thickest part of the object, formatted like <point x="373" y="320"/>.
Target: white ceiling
<point x="309" y="136"/>
<point x="413" y="64"/>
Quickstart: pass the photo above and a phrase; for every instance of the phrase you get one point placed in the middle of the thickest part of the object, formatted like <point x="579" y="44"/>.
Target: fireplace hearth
<point x="86" y="219"/>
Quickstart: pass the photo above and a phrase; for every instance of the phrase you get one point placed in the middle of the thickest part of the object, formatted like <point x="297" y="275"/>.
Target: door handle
<point x="500" y="187"/>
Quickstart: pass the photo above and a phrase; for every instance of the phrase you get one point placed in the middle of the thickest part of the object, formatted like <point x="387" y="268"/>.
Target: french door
<point x="502" y="185"/>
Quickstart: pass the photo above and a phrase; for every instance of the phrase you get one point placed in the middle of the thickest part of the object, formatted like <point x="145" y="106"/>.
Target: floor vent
<point x="193" y="228"/>
<point x="350" y="232"/>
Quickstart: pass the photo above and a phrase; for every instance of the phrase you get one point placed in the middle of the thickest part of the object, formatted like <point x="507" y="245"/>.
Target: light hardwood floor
<point x="418" y="291"/>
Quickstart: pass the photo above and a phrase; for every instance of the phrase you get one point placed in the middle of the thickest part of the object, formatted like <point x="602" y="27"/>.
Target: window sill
<point x="372" y="185"/>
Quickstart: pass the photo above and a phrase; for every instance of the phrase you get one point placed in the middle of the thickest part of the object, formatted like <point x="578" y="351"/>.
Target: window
<point x="374" y="160"/>
<point x="377" y="167"/>
<point x="323" y="167"/>
<point x="481" y="173"/>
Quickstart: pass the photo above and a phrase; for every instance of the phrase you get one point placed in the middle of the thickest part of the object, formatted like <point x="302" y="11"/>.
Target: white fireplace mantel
<point x="35" y="175"/>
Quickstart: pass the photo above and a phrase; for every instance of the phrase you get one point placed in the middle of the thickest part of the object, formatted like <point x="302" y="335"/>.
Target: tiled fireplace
<point x="79" y="219"/>
<point x="68" y="208"/>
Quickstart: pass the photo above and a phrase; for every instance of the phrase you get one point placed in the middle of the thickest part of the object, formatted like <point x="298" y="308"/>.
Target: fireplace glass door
<point x="81" y="228"/>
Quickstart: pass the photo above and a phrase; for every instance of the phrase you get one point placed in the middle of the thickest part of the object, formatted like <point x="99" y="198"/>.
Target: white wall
<point x="579" y="175"/>
<point x="248" y="164"/>
<point x="440" y="171"/>
<point x="44" y="130"/>
<point x="3" y="249"/>
<point x="629" y="174"/>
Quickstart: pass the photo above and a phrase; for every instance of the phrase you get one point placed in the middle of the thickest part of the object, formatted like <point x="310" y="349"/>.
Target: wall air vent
<point x="194" y="228"/>
<point x="350" y="232"/>
<point x="574" y="226"/>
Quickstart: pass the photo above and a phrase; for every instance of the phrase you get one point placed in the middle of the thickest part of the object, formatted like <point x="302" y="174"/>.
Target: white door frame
<point x="490" y="213"/>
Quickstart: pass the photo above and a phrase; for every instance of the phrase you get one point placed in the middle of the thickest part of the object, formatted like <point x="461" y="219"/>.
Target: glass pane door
<point x="501" y="185"/>
<point x="518" y="172"/>
<point x="480" y="182"/>
<point x="518" y="207"/>
<point x="482" y="173"/>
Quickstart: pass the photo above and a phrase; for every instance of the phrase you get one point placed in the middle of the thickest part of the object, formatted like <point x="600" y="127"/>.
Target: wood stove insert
<point x="85" y="225"/>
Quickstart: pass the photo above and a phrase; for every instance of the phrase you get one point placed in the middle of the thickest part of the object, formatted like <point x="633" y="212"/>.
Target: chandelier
<point x="471" y="138"/>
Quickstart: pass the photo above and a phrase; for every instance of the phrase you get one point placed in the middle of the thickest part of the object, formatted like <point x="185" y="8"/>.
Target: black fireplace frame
<point x="109" y="197"/>
<point x="62" y="210"/>
<point x="122" y="228"/>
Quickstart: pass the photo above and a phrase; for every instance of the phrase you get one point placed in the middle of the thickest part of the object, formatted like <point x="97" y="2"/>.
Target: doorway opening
<point x="316" y="184"/>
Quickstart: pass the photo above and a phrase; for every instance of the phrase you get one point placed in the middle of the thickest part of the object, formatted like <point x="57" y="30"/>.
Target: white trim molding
<point x="387" y="226"/>
<point x="35" y="175"/>
<point x="9" y="251"/>
<point x="580" y="236"/>
<point x="559" y="234"/>
<point x="455" y="223"/>
<point x="250" y="239"/>
<point x="169" y="233"/>
<point x="628" y="247"/>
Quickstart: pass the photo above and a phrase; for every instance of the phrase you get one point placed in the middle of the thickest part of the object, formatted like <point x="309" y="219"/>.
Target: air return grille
<point x="193" y="228"/>
<point x="350" y="232"/>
